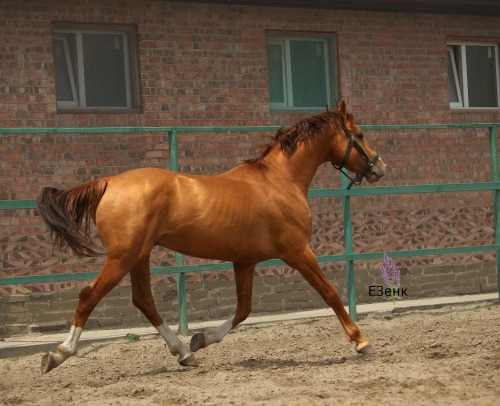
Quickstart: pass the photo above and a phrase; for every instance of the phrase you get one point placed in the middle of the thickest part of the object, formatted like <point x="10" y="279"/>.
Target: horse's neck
<point x="301" y="167"/>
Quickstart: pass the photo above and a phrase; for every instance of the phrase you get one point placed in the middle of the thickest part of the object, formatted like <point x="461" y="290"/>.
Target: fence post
<point x="496" y="197"/>
<point x="179" y="258"/>
<point x="351" y="282"/>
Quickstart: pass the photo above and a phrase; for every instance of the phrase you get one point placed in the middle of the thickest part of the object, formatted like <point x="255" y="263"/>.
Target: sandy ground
<point x="447" y="356"/>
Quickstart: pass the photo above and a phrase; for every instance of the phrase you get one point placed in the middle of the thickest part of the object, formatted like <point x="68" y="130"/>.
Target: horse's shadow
<point x="270" y="363"/>
<point x="264" y="363"/>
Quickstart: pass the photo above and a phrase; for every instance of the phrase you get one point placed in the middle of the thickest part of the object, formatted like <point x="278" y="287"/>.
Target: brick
<point x="292" y="287"/>
<point x="195" y="315"/>
<point x="260" y="290"/>
<point x="298" y="296"/>
<point x="117" y="302"/>
<point x="492" y="287"/>
<point x="47" y="317"/>
<point x="13" y="308"/>
<point x="14" y="329"/>
<point x="65" y="296"/>
<point x="272" y="280"/>
<point x="125" y="291"/>
<point x="62" y="306"/>
<point x="227" y="293"/>
<point x="268" y="307"/>
<point x="294" y="306"/>
<point x="126" y="311"/>
<point x="169" y="296"/>
<point x="465" y="276"/>
<point x="272" y="298"/>
<point x="50" y="327"/>
<point x="205" y="303"/>
<point x="446" y="278"/>
<point x="131" y="320"/>
<point x="218" y="284"/>
<point x="110" y="321"/>
<point x="18" y="318"/>
<point x="220" y="312"/>
<point x="15" y="299"/>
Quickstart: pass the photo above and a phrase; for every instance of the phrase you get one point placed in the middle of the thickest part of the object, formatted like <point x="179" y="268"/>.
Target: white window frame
<point x="69" y="67"/>
<point x="78" y="82"/>
<point x="459" y="104"/>
<point x="460" y="72"/>
<point x="284" y="42"/>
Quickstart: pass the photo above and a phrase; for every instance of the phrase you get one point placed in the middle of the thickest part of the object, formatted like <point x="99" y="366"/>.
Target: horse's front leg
<point x="305" y="262"/>
<point x="243" y="275"/>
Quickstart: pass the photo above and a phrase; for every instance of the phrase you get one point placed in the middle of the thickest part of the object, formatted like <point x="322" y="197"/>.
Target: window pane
<point x="481" y="76"/>
<point x="308" y="73"/>
<point x="104" y="64"/>
<point x="275" y="72"/>
<point x="62" y="64"/>
<point x="452" y="80"/>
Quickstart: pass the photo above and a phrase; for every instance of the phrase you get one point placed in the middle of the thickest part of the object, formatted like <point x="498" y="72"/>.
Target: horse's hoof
<point x="48" y="363"/>
<point x="367" y="350"/>
<point x="189" y="361"/>
<point x="197" y="342"/>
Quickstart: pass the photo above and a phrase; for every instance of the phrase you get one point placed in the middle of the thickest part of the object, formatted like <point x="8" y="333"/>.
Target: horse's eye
<point x="360" y="136"/>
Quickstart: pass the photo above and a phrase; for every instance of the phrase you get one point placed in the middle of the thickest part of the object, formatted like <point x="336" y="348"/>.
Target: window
<point x="473" y="75"/>
<point x="95" y="68"/>
<point x="301" y="72"/>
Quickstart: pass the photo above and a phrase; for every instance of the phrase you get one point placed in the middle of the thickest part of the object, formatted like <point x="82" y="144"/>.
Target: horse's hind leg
<point x="113" y="272"/>
<point x="243" y="275"/>
<point x="144" y="301"/>
<point x="308" y="266"/>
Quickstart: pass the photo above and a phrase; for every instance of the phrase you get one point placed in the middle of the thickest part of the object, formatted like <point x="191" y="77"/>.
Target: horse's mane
<point x="290" y="138"/>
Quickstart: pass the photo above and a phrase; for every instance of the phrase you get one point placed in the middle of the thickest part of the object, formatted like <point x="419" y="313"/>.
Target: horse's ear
<point x="342" y="107"/>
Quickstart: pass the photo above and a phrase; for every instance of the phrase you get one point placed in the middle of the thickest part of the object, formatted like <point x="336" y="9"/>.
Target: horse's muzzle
<point x="377" y="171"/>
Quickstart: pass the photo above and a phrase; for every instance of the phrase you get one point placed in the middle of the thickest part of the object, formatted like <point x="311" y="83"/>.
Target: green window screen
<point x="308" y="64"/>
<point x="481" y="76"/>
<point x="105" y="76"/>
<point x="276" y="73"/>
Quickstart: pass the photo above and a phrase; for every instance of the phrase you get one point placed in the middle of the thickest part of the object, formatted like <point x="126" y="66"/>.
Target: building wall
<point x="205" y="65"/>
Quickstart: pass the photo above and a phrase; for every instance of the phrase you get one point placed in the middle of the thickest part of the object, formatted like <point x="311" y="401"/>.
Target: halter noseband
<point x="369" y="162"/>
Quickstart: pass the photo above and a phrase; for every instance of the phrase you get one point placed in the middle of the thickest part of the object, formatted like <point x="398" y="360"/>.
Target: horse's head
<point x="352" y="151"/>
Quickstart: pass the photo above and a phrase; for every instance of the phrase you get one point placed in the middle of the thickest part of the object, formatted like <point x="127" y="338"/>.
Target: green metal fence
<point x="180" y="269"/>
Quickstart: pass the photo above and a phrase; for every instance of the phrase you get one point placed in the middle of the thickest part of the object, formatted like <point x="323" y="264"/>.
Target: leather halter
<point x="369" y="162"/>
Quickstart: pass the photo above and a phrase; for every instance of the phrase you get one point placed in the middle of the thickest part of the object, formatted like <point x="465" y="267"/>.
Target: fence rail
<point x="180" y="269"/>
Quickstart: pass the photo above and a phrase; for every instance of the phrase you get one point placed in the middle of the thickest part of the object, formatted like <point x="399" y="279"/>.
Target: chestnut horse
<point x="252" y="213"/>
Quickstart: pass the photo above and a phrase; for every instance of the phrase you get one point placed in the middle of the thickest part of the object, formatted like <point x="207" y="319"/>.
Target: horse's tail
<point x="68" y="214"/>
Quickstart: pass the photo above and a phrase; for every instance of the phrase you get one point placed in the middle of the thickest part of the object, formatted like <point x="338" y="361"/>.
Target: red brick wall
<point x="206" y="65"/>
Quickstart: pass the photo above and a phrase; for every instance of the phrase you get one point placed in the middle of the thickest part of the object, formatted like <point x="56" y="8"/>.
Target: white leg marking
<point x="70" y="345"/>
<point x="215" y="335"/>
<point x="176" y="347"/>
<point x="64" y="350"/>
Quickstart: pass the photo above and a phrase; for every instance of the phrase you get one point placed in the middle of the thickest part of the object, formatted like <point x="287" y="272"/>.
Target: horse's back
<point x="230" y="216"/>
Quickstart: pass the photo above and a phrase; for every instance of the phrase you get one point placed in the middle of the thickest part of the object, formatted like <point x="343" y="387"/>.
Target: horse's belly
<point x="225" y="245"/>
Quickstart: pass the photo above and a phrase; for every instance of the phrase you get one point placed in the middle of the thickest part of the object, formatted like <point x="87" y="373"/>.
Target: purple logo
<point x="392" y="279"/>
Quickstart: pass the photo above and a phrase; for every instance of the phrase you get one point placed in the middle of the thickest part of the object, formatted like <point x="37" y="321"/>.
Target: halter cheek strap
<point x="370" y="162"/>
